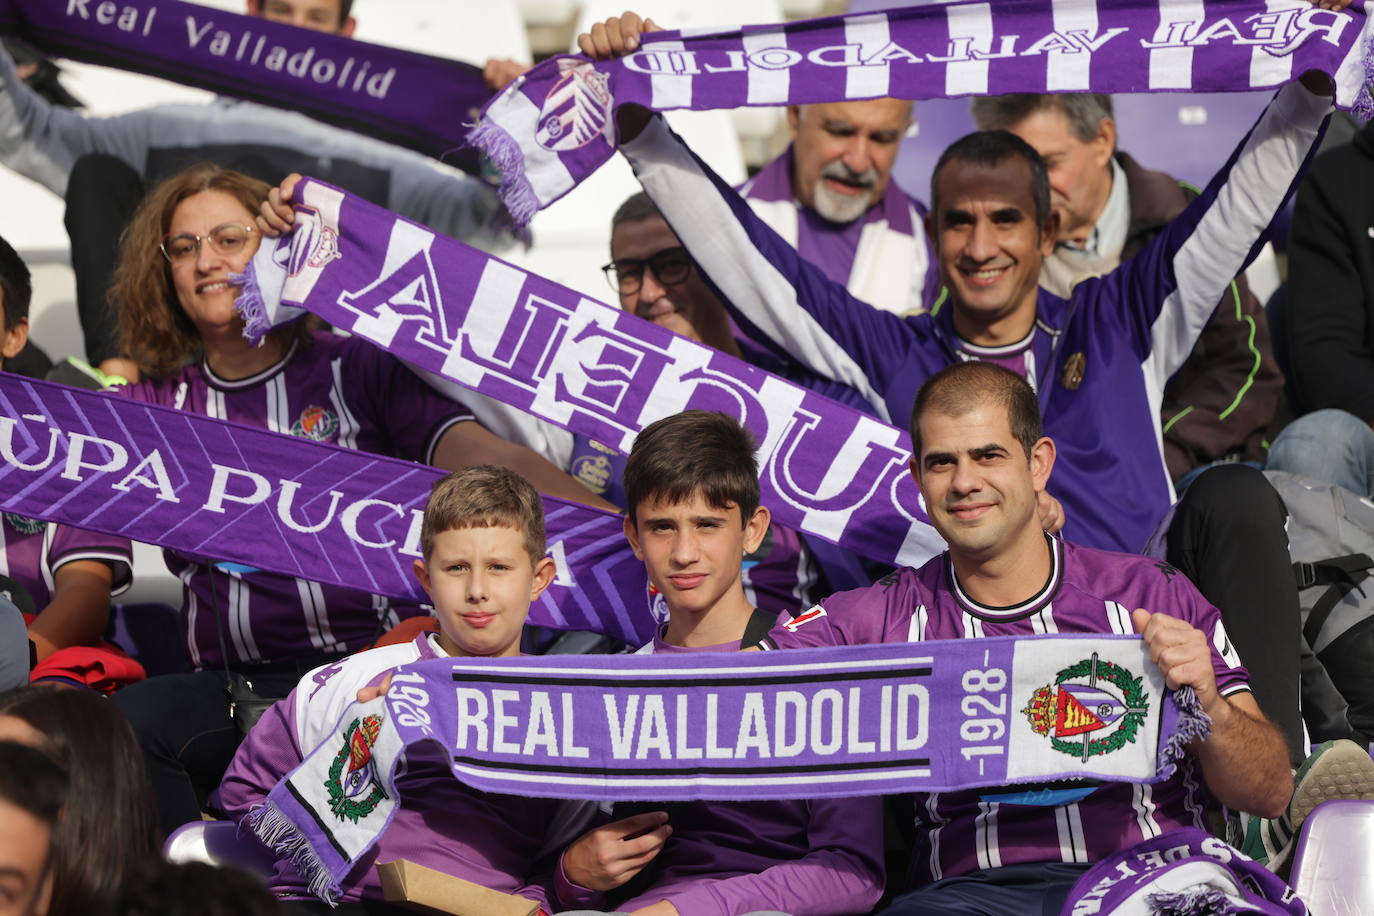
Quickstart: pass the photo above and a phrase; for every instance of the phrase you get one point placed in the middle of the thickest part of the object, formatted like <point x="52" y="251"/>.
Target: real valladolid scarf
<point x="819" y="723"/>
<point x="554" y="127"/>
<point x="409" y="99"/>
<point x="275" y="502"/>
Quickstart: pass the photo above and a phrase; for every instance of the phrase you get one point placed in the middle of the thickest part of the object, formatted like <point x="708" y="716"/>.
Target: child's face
<point x="693" y="550"/>
<point x="12" y="338"/>
<point x="481" y="582"/>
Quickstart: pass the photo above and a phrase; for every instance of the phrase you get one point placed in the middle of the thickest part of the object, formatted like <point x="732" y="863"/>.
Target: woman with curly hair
<point x="173" y="293"/>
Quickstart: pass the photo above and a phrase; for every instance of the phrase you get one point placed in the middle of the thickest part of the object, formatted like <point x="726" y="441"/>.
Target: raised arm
<point x="1167" y="293"/>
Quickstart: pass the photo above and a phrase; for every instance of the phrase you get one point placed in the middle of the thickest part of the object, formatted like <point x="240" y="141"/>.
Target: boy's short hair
<point x="696" y="451"/>
<point x="484" y="496"/>
<point x="16" y="287"/>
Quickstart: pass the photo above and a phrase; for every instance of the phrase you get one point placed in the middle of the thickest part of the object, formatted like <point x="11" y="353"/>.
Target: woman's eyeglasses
<point x="228" y="239"/>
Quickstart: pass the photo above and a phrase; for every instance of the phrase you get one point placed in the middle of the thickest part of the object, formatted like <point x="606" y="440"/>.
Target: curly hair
<point x="154" y="330"/>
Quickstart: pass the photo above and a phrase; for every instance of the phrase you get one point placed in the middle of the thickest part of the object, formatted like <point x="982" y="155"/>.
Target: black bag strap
<point x="760" y="622"/>
<point x="1341" y="575"/>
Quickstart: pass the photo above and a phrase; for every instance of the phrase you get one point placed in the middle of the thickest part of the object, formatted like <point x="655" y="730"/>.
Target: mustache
<point x="841" y="172"/>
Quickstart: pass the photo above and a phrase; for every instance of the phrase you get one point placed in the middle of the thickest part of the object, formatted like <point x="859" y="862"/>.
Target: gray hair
<point x="1085" y="111"/>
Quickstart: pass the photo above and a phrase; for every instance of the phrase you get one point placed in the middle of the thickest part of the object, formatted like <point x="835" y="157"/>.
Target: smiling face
<point x="990" y="247"/>
<point x="693" y="550"/>
<point x="481" y="582"/>
<point x="979" y="488"/>
<point x="688" y="307"/>
<point x="1080" y="172"/>
<point x="201" y="280"/>
<point x="844" y="152"/>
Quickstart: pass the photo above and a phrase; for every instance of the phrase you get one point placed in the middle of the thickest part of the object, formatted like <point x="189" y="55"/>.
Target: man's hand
<point x="500" y="72"/>
<point x="1050" y="510"/>
<point x="1333" y="5"/>
<point x="608" y="856"/>
<point x="276" y="216"/>
<point x="617" y="37"/>
<point x="371" y="692"/>
<point x="1181" y="652"/>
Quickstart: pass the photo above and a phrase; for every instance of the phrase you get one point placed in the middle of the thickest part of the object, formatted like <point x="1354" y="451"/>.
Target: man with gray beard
<point x="830" y="194"/>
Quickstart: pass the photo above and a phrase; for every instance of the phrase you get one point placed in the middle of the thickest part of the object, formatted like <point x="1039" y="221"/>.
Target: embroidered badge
<point x="1074" y="367"/>
<point x="25" y="525"/>
<point x="577" y="109"/>
<point x="594" y="471"/>
<point x="317" y="423"/>
<point x="1094" y="707"/>
<point x="356" y="792"/>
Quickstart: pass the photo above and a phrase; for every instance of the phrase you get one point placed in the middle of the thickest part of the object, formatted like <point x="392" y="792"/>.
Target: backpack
<point x="1331" y="543"/>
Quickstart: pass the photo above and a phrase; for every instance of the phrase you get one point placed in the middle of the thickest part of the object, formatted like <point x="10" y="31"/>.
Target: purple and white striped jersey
<point x="1088" y="591"/>
<point x="340" y="390"/>
<point x="31" y="552"/>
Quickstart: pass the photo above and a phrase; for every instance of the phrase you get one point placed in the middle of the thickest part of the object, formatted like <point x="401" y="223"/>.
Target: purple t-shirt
<point x="31" y="552"/>
<point x="497" y="841"/>
<point x="1088" y="591"/>
<point x="808" y="858"/>
<point x="340" y="390"/>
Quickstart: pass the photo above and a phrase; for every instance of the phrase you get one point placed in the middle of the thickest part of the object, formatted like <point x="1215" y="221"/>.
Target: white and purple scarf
<point x="554" y="127"/>
<point x="820" y="723"/>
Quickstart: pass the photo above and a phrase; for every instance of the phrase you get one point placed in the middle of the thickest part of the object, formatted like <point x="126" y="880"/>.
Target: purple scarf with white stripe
<point x="554" y="127"/>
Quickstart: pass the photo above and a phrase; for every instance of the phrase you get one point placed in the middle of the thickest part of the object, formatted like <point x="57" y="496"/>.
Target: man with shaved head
<point x="831" y="195"/>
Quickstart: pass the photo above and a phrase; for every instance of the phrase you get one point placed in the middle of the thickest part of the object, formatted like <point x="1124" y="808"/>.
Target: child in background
<point x="692" y="493"/>
<point x="483" y="545"/>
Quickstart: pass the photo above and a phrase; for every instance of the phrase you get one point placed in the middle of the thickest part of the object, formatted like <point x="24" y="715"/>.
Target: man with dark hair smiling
<point x="980" y="461"/>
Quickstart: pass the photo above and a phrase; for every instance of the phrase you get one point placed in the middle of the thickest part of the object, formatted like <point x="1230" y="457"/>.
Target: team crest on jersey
<point x="1093" y="707"/>
<point x="25" y="525"/>
<point x="577" y="109"/>
<point x="354" y="786"/>
<point x="317" y="423"/>
<point x="805" y="617"/>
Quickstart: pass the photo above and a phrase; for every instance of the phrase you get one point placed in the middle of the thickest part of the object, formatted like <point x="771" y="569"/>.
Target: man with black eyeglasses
<point x="654" y="277"/>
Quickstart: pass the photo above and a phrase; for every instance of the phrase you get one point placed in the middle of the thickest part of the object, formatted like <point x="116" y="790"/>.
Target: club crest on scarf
<point x="24" y="525"/>
<point x="577" y="109"/>
<point x="354" y="787"/>
<point x="316" y="423"/>
<point x="1094" y="707"/>
<point x="313" y="243"/>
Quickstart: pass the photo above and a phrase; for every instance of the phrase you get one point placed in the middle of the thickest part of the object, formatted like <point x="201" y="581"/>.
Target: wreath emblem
<point x="1098" y="704"/>
<point x="25" y="525"/>
<point x="355" y="793"/>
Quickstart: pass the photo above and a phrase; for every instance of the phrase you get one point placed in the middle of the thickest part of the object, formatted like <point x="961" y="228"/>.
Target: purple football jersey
<point x="32" y="551"/>
<point x="1088" y="591"/>
<point x="340" y="390"/>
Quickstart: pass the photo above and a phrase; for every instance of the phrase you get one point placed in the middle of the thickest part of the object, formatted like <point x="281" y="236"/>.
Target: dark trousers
<point x="1228" y="537"/>
<point x="188" y="739"/>
<point x="1015" y="890"/>
<point x="102" y="193"/>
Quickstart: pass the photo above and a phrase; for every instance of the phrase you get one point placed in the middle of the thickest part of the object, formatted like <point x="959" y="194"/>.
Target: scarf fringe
<point x="1364" y="102"/>
<point x="1198" y="901"/>
<point x="504" y="153"/>
<point x="274" y="829"/>
<point x="1193" y="725"/>
<point x="251" y="306"/>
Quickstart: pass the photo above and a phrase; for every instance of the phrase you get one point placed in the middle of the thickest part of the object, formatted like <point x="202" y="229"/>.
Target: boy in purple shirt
<point x="980" y="460"/>
<point x="483" y="544"/>
<point x="63" y="575"/>
<point x="691" y="488"/>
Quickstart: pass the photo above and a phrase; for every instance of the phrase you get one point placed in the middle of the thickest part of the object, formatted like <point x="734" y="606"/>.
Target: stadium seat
<point x="1333" y="870"/>
<point x="219" y="843"/>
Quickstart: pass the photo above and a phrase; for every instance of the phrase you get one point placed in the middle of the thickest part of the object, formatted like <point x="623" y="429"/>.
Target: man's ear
<point x="794" y="116"/>
<point x="1049" y="233"/>
<point x="346" y="30"/>
<point x="756" y="528"/>
<point x="632" y="535"/>
<point x="1042" y="462"/>
<point x="544" y="571"/>
<point x="914" y="466"/>
<point x="1105" y="142"/>
<point x="16" y="335"/>
<point x="254" y="7"/>
<point x="422" y="575"/>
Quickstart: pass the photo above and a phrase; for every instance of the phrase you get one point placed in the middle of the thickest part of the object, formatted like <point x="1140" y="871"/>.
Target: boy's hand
<point x="608" y="856"/>
<point x="372" y="691"/>
<point x="500" y="72"/>
<point x="276" y="216"/>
